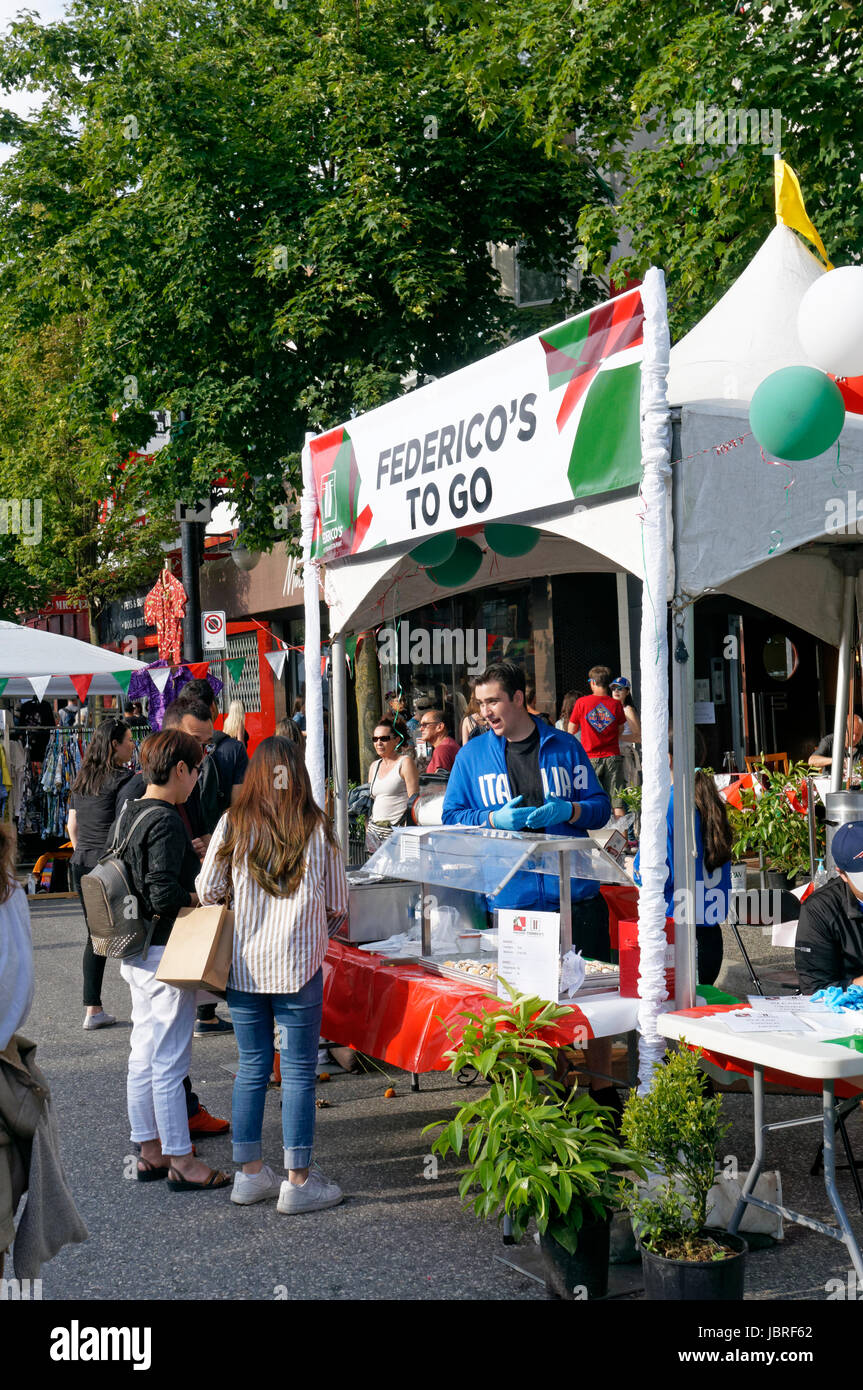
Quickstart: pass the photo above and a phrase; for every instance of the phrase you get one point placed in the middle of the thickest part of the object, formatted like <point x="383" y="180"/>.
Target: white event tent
<point x="741" y="524"/>
<point x="27" y="652"/>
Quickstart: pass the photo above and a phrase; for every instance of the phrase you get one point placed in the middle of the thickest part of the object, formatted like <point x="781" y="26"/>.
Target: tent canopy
<point x="27" y="651"/>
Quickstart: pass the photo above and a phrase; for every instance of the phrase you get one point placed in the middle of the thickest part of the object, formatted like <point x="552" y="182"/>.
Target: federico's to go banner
<point x="540" y="423"/>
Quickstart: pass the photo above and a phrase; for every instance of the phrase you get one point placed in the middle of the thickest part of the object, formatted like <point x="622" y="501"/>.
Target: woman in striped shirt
<point x="275" y="854"/>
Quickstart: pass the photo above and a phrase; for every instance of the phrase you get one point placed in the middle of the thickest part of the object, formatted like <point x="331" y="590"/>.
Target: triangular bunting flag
<point x="159" y="676"/>
<point x="82" y="685"/>
<point x="4" y="681"/>
<point x="277" y="662"/>
<point x="323" y="667"/>
<point x="351" y="647"/>
<point x="39" y="684"/>
<point x="235" y="668"/>
<point x="199" y="670"/>
<point x="123" y="678"/>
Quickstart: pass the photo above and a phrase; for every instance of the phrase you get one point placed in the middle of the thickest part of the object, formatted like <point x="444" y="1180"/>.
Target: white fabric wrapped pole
<point x="656" y="477"/>
<point x="312" y="643"/>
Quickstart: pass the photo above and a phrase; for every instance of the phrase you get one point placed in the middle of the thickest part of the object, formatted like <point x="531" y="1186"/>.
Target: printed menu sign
<point x="528" y="952"/>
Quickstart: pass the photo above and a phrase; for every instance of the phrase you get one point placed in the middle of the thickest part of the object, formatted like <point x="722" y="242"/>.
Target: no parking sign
<point x="214" y="628"/>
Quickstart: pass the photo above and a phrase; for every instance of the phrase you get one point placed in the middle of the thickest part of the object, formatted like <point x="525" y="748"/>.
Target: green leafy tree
<point x="268" y="215"/>
<point x="63" y="530"/>
<point x="623" y="80"/>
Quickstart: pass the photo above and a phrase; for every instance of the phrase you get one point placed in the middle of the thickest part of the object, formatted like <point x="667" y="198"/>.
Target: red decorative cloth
<point x="164" y="609"/>
<point x="400" y="1013"/>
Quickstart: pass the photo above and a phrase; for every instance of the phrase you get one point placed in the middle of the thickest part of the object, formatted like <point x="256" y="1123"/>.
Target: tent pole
<point x="312" y="639"/>
<point x="843" y="673"/>
<point x="683" y="691"/>
<point x="656" y="476"/>
<point x="339" y="729"/>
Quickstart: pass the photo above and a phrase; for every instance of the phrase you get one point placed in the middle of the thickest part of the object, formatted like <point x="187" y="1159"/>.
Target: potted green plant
<point x="534" y="1151"/>
<point x="674" y="1131"/>
<point x="775" y="821"/>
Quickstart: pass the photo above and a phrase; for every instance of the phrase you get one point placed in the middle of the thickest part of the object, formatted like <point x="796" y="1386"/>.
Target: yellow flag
<point x="789" y="205"/>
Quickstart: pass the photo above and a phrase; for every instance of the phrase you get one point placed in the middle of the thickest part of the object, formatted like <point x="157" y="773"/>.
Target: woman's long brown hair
<point x="716" y="833"/>
<point x="274" y="818"/>
<point x="717" y="837"/>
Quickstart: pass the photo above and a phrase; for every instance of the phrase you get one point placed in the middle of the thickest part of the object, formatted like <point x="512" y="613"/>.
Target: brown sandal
<point x="217" y="1178"/>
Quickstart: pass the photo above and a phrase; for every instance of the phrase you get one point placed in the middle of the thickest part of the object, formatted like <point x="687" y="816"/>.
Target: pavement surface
<point x="400" y="1233"/>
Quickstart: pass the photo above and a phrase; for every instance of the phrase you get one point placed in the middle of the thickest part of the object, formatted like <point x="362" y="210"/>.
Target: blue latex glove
<point x="512" y="816"/>
<point x="555" y="811"/>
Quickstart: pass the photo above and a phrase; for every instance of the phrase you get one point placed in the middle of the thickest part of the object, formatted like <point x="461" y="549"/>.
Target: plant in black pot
<point x="534" y="1151"/>
<point x="674" y="1131"/>
<point x="773" y="819"/>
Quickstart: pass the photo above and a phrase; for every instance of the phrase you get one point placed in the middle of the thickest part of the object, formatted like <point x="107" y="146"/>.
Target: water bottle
<point x="821" y="875"/>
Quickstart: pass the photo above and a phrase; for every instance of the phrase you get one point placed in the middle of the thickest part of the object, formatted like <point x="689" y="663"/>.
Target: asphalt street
<point x="400" y="1234"/>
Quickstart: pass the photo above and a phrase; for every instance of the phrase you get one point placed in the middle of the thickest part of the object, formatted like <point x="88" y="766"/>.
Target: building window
<point x="534" y="287"/>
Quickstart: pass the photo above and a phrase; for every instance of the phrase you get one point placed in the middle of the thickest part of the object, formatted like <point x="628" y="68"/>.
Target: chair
<point x="777" y="761"/>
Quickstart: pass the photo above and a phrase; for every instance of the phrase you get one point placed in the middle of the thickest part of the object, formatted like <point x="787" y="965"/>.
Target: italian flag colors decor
<point x="543" y="422"/>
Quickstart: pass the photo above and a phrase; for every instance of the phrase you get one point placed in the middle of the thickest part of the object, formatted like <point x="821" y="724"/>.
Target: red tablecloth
<point x="400" y="1013"/>
<point x="780" y="1078"/>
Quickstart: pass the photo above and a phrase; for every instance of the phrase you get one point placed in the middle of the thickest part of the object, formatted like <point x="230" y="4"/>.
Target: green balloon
<point x="511" y="541"/>
<point x="436" y="550"/>
<point x="460" y="568"/>
<point x="797" y="413"/>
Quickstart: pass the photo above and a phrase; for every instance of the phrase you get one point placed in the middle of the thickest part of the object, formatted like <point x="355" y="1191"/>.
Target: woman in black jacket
<point x="93" y="809"/>
<point x="162" y="866"/>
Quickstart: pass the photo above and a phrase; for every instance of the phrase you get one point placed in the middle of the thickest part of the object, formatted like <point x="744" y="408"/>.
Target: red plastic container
<point x="630" y="959"/>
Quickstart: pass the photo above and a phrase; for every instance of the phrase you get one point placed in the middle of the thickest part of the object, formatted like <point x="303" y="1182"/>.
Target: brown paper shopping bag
<point x="199" y="949"/>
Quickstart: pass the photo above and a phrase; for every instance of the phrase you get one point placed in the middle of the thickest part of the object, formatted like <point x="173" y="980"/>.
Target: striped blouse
<point x="279" y="943"/>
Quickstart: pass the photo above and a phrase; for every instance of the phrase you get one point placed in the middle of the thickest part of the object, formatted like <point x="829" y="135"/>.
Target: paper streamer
<point x="39" y="684"/>
<point x="159" y="676"/>
<point x="277" y="661"/>
<point x="82" y="685"/>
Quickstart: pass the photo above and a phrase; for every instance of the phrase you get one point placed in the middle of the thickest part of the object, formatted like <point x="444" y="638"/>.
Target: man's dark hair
<point x="600" y="675"/>
<point x="506" y="674"/>
<point x="178" y="708"/>
<point x="160" y="754"/>
<point x="199" y="689"/>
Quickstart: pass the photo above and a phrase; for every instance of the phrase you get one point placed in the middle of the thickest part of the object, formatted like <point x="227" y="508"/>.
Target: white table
<point x="800" y="1056"/>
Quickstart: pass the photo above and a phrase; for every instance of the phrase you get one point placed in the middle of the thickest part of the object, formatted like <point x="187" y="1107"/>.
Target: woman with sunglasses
<point x="94" y="806"/>
<point x="393" y="780"/>
<point x="163" y="867"/>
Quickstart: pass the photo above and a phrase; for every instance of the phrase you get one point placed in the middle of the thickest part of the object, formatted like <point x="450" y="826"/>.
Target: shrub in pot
<point x="674" y="1130"/>
<point x="535" y="1152"/>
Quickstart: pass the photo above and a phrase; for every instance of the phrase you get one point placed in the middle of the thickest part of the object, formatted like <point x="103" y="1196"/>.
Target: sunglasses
<point x="382" y="738"/>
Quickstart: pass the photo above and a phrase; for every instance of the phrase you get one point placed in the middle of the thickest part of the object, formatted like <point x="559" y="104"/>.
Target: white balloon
<point x="830" y="321"/>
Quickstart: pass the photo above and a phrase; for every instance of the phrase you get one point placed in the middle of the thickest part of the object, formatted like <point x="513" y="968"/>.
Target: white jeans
<point x="163" y="1020"/>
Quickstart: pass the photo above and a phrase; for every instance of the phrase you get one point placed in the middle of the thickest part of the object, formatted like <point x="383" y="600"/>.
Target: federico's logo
<point x="520" y="924"/>
<point x="328" y="497"/>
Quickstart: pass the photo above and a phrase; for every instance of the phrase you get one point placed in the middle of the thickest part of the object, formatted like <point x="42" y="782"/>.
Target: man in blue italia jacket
<point x="526" y="775"/>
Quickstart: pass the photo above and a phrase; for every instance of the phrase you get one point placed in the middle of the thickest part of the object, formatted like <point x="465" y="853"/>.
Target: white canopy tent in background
<point x="28" y="651"/>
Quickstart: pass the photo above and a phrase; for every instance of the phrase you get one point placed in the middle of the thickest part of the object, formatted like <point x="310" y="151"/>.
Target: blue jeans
<point x="298" y="1018"/>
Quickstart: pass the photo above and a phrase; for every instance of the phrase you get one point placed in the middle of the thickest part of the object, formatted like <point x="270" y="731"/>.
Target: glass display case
<point x="459" y="872"/>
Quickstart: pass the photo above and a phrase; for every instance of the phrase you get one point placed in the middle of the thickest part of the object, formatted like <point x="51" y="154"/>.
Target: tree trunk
<point x="368" y="692"/>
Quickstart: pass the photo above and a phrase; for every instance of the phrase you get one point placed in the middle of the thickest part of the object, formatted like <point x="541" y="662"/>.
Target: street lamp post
<point x="191" y="551"/>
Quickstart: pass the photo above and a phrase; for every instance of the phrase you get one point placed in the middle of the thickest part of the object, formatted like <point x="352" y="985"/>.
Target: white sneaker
<point x="99" y="1020"/>
<point x="316" y="1194"/>
<point x="254" y="1187"/>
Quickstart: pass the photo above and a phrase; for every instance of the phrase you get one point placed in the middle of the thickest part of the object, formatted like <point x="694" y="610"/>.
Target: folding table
<point x="794" y="1054"/>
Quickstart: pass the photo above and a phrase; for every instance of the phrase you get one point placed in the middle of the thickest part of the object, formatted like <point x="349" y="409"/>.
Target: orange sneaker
<point x="202" y="1124"/>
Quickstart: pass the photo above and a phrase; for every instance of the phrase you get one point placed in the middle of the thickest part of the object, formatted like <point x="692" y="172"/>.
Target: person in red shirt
<point x="596" y="720"/>
<point x="433" y="730"/>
